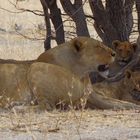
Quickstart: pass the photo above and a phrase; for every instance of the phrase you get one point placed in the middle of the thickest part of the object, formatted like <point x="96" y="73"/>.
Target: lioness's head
<point x="124" y="51"/>
<point x="132" y="82"/>
<point x="93" y="55"/>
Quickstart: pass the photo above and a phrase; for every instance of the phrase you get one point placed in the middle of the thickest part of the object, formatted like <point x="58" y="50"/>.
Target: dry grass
<point x="71" y="125"/>
<point x="13" y="45"/>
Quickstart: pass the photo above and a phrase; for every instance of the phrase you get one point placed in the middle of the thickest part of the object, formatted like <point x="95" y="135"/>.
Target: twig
<point x="40" y="13"/>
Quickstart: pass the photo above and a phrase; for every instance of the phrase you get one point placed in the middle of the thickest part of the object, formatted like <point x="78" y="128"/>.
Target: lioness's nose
<point x="113" y="54"/>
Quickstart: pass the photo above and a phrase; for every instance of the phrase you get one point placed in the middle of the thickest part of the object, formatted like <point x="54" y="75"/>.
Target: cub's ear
<point x="78" y="44"/>
<point x="135" y="46"/>
<point x="128" y="73"/>
<point x="115" y="43"/>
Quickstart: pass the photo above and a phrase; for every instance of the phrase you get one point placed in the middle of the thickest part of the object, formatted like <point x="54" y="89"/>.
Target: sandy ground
<point x="72" y="125"/>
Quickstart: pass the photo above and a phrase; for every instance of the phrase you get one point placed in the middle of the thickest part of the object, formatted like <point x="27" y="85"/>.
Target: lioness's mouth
<point x="103" y="70"/>
<point x="135" y="94"/>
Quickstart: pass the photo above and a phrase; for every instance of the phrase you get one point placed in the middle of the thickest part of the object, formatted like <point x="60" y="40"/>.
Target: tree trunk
<point x="120" y="13"/>
<point x="55" y="15"/>
<point x="138" y="12"/>
<point x="47" y="42"/>
<point x="102" y="22"/>
<point x="75" y="11"/>
<point x="114" y="21"/>
<point x="129" y="17"/>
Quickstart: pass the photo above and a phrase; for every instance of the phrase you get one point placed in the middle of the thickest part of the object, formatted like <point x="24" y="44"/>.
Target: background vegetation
<point x="65" y="19"/>
<point x="112" y="20"/>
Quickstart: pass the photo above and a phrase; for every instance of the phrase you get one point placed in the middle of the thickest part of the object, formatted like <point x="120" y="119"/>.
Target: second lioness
<point x="117" y="94"/>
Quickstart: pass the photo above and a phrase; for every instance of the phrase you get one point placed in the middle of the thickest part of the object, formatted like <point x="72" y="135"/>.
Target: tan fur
<point x="13" y="84"/>
<point x="118" y="94"/>
<point x="23" y="84"/>
<point x="62" y="80"/>
<point x="132" y="87"/>
<point x="80" y="55"/>
<point x="125" y="52"/>
<point x="75" y="59"/>
<point x="70" y="90"/>
<point x="53" y="86"/>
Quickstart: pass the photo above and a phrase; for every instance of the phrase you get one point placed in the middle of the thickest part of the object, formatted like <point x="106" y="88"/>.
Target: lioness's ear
<point x="78" y="44"/>
<point x="115" y="43"/>
<point x="128" y="73"/>
<point x="135" y="46"/>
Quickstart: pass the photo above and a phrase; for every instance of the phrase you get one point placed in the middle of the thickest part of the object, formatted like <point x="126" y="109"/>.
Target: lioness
<point x="51" y="83"/>
<point x="125" y="51"/>
<point x="80" y="55"/>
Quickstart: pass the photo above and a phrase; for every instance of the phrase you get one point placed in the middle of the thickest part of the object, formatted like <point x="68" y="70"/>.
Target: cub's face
<point x="94" y="55"/>
<point x="124" y="51"/>
<point x="132" y="82"/>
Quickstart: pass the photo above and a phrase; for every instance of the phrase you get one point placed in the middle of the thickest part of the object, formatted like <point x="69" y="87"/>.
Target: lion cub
<point x="132" y="84"/>
<point x="125" y="51"/>
<point x="124" y="94"/>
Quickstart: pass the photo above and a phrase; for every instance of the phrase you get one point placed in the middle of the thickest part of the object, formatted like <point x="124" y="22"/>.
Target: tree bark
<point x="129" y="17"/>
<point x="47" y="42"/>
<point x="114" y="21"/>
<point x="138" y="12"/>
<point x="55" y="15"/>
<point x="75" y="11"/>
<point x="120" y="13"/>
<point x="102" y="22"/>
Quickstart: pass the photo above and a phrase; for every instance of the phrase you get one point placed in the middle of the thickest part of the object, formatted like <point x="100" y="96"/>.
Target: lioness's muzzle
<point x="102" y="68"/>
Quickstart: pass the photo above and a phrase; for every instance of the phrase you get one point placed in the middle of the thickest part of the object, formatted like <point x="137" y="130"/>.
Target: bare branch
<point x="36" y="12"/>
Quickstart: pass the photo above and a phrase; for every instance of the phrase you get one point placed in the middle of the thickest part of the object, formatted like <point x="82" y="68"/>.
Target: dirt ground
<point x="71" y="125"/>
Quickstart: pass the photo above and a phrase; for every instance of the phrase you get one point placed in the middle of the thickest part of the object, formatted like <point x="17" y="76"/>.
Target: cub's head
<point x="124" y="51"/>
<point x="93" y="55"/>
<point x="132" y="82"/>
